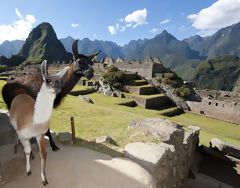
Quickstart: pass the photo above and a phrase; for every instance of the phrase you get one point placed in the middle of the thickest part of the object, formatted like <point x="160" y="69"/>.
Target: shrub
<point x="182" y="92"/>
<point x="2" y="68"/>
<point x="114" y="77"/>
<point x="172" y="79"/>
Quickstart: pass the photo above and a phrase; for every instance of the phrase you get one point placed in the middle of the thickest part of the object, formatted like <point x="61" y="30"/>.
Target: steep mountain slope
<point x="67" y="43"/>
<point x="225" y="41"/>
<point x="42" y="43"/>
<point x="221" y="73"/>
<point x="8" y="48"/>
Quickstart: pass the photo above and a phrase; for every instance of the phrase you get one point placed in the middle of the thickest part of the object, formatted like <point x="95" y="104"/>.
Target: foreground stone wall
<point x="168" y="162"/>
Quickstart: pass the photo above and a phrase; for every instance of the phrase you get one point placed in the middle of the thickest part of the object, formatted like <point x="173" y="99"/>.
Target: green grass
<point x="143" y="96"/>
<point x="106" y="118"/>
<point x="2" y="104"/>
<point x="210" y="128"/>
<point x="80" y="87"/>
<point x="147" y="85"/>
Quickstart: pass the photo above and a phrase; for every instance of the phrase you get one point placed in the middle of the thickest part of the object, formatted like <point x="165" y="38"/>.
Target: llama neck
<point x="69" y="81"/>
<point x="43" y="105"/>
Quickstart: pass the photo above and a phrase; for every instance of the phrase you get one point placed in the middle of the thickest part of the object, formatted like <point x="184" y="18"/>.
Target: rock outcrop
<point x="168" y="162"/>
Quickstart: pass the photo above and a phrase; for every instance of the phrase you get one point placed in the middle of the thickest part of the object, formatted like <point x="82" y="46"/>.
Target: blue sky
<point x="118" y="21"/>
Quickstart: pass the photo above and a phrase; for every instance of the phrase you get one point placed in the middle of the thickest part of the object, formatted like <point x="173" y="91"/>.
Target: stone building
<point x="149" y="68"/>
<point x="223" y="105"/>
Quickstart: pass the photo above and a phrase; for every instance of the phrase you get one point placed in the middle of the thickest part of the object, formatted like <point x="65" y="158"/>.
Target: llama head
<point x="53" y="82"/>
<point x="82" y="63"/>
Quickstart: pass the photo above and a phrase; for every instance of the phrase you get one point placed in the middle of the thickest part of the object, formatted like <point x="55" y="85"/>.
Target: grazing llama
<point x="31" y="84"/>
<point x="30" y="118"/>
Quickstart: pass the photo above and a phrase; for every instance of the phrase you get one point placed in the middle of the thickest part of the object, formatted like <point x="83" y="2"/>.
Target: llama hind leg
<point x="43" y="155"/>
<point x="16" y="143"/>
<point x="27" y="150"/>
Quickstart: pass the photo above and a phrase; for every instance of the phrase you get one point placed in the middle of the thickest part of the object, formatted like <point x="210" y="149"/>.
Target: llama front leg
<point x="27" y="150"/>
<point x="43" y="155"/>
<point x="52" y="143"/>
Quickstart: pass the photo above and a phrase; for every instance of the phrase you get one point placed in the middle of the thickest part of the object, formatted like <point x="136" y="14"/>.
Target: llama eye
<point x="48" y="81"/>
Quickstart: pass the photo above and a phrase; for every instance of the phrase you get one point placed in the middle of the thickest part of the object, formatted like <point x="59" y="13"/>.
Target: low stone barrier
<point x="168" y="162"/>
<point x="226" y="148"/>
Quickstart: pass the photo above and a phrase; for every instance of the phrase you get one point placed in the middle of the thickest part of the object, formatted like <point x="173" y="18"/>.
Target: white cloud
<point x="94" y="35"/>
<point x="129" y="25"/>
<point x="18" y="13"/>
<point x="112" y="30"/>
<point x="18" y="29"/>
<point x="154" y="30"/>
<point x="121" y="20"/>
<point x="122" y="28"/>
<point x="74" y="25"/>
<point x="133" y="20"/>
<point x="220" y="14"/>
<point x="165" y="21"/>
<point x="138" y="17"/>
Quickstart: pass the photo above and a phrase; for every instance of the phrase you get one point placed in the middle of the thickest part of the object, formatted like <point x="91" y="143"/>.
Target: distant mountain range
<point x="225" y="41"/>
<point x="220" y="73"/>
<point x="181" y="56"/>
<point x="8" y="48"/>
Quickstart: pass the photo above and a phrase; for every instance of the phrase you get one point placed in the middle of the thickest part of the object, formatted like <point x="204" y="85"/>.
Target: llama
<point x="31" y="84"/>
<point x="31" y="118"/>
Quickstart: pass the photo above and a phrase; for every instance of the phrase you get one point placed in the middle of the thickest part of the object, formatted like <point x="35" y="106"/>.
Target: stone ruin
<point x="149" y="68"/>
<point x="223" y="105"/>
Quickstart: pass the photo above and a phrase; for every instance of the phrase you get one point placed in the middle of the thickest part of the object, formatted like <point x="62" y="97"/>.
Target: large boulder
<point x="173" y="157"/>
<point x="157" y="159"/>
<point x="226" y="148"/>
<point x="165" y="130"/>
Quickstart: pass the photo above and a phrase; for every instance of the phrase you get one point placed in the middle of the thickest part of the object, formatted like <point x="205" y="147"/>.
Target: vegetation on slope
<point x="115" y="78"/>
<point x="220" y="73"/>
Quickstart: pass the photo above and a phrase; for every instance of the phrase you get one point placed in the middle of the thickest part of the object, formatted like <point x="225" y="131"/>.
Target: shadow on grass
<point x="99" y="147"/>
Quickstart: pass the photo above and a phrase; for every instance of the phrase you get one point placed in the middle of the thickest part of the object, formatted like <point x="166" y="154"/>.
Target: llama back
<point x="29" y="84"/>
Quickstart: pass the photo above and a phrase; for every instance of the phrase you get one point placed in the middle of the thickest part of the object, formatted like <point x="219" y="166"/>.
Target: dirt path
<point x="72" y="167"/>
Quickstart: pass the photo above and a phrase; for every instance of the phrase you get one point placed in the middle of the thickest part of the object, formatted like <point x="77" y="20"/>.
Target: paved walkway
<point x="72" y="167"/>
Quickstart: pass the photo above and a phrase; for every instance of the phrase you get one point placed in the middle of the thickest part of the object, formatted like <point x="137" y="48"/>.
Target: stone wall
<point x="221" y="105"/>
<point x="168" y="162"/>
<point x="144" y="69"/>
<point x="146" y="90"/>
<point x="150" y="103"/>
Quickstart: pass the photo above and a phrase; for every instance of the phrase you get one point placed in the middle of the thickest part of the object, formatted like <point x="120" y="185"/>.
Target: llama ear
<point x="62" y="72"/>
<point x="75" y="50"/>
<point x="93" y="56"/>
<point x="44" y="69"/>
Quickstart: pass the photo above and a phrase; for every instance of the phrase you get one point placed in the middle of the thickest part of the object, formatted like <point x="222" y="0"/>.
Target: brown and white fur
<point x="31" y="84"/>
<point x="30" y="118"/>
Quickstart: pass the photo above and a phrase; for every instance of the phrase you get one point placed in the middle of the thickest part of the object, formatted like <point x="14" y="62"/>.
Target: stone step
<point x="142" y="90"/>
<point x="139" y="82"/>
<point x="150" y="102"/>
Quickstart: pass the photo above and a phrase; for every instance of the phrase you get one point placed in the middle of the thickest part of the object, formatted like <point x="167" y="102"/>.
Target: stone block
<point x="104" y="139"/>
<point x="85" y="99"/>
<point x="226" y="148"/>
<point x="64" y="136"/>
<point x="7" y="132"/>
<point x="165" y="130"/>
<point x="156" y="158"/>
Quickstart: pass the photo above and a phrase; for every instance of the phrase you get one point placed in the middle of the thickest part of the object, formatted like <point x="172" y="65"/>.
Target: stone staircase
<point x="147" y="96"/>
